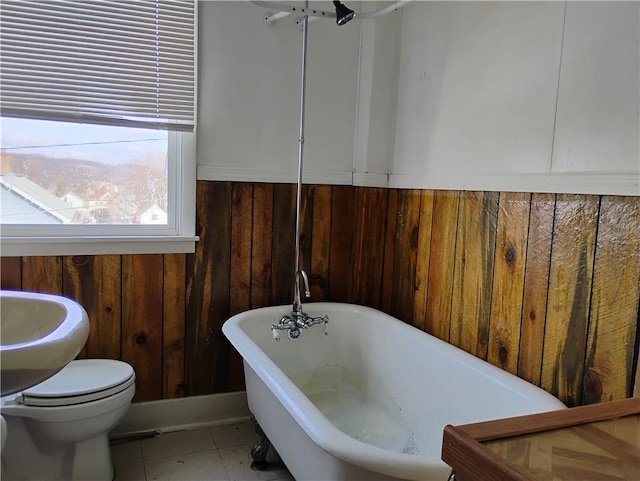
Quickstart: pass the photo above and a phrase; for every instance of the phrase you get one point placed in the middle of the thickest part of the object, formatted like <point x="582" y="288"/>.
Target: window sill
<point x="63" y="246"/>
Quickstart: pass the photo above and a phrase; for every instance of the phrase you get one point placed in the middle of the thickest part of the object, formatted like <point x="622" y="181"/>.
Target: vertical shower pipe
<point x="303" y="87"/>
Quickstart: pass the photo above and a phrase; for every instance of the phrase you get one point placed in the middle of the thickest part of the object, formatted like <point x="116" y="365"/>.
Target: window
<point x="97" y="116"/>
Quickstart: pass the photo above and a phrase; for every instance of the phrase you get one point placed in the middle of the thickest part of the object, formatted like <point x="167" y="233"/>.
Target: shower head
<point x="343" y="13"/>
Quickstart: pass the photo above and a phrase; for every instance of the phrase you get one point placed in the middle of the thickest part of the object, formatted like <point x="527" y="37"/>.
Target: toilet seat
<point x="80" y="382"/>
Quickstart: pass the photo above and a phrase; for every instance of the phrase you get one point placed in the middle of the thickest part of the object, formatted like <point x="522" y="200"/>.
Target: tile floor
<point x="220" y="453"/>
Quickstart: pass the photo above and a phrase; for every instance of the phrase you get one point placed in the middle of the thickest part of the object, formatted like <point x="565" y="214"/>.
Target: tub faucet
<point x="298" y="319"/>
<point x="297" y="313"/>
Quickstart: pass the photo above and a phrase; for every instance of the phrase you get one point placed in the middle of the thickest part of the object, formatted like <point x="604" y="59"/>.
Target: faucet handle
<point x="324" y="320"/>
<point x="276" y="334"/>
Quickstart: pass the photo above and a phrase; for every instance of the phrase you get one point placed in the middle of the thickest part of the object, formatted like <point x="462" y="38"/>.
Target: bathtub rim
<point x="316" y="425"/>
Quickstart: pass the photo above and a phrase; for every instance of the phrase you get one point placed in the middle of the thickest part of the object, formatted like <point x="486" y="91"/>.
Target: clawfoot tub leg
<point x="260" y="450"/>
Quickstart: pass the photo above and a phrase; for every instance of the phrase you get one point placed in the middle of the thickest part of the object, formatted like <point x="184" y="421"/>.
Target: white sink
<point x="39" y="335"/>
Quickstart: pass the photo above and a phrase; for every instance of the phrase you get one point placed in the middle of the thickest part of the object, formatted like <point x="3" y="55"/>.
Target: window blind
<point x="112" y="62"/>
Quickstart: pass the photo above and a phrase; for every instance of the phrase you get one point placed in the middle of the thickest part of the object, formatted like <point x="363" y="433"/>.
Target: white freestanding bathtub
<point x="369" y="400"/>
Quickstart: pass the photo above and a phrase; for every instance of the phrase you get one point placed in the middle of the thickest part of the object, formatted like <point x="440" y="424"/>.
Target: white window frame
<point x="176" y="237"/>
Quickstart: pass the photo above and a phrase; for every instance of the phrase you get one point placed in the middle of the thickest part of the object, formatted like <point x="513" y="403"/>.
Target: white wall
<point x="377" y="96"/>
<point x="511" y="96"/>
<point x="520" y="96"/>
<point x="249" y="96"/>
<point x="599" y="93"/>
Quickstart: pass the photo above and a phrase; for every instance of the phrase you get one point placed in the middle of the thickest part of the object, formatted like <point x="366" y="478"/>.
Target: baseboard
<point x="183" y="413"/>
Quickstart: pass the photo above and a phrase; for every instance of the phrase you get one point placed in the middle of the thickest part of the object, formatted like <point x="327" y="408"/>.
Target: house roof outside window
<point x="24" y="201"/>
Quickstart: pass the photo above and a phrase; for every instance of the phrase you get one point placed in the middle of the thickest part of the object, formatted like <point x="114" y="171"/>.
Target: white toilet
<point x="58" y="430"/>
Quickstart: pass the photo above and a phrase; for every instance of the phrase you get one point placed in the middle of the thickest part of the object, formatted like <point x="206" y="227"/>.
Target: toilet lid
<point x="80" y="381"/>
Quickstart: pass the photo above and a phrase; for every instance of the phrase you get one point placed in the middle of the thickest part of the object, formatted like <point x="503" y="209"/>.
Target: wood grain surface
<point x="442" y="263"/>
<point x="96" y="283"/>
<point x="586" y="443"/>
<point x="544" y="285"/>
<point x="341" y="248"/>
<point x="569" y="295"/>
<point x="536" y="281"/>
<point x="473" y="275"/>
<point x="173" y="325"/>
<point x="321" y="242"/>
<point x="423" y="259"/>
<point x="405" y="254"/>
<point x="368" y="257"/>
<point x="261" y="245"/>
<point x="142" y="322"/>
<point x="613" y="316"/>
<point x="508" y="280"/>
<point x="239" y="268"/>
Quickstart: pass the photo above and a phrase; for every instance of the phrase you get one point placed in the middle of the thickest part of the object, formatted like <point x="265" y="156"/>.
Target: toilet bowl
<point x="58" y="430"/>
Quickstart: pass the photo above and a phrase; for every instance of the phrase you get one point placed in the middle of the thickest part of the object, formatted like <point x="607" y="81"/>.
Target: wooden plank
<point x="341" y="249"/>
<point x="42" y="274"/>
<point x="572" y="255"/>
<point x="581" y="452"/>
<point x="306" y="227"/>
<point x="368" y="257"/>
<point x="241" y="240"/>
<point x="563" y="444"/>
<point x="405" y="254"/>
<point x="240" y="273"/>
<point x="283" y="243"/>
<point x="95" y="282"/>
<point x="142" y="322"/>
<point x="472" y="462"/>
<point x="613" y="325"/>
<point x="221" y="240"/>
<point x="508" y="280"/>
<point x="536" y="284"/>
<point x="548" y="421"/>
<point x="11" y="273"/>
<point x="320" y="242"/>
<point x="636" y="388"/>
<point x="423" y="259"/>
<point x="389" y="251"/>
<point x="206" y="351"/>
<point x="199" y="378"/>
<point x="442" y="263"/>
<point x="173" y="325"/>
<point x="262" y="231"/>
<point x="472" y="282"/>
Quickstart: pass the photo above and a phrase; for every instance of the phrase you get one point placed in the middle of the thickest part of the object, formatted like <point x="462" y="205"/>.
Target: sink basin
<point x="39" y="335"/>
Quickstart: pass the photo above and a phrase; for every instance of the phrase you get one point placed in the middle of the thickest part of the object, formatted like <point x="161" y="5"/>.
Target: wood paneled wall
<point x="544" y="286"/>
